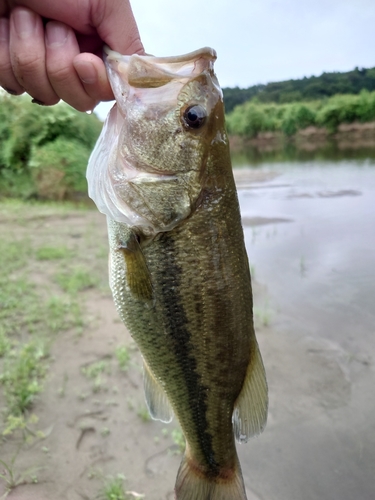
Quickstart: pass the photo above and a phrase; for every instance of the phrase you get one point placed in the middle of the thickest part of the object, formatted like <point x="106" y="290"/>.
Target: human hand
<point x="52" y="49"/>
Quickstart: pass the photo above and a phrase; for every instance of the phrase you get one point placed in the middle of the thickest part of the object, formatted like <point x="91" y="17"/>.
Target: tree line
<point x="304" y="89"/>
<point x="253" y="116"/>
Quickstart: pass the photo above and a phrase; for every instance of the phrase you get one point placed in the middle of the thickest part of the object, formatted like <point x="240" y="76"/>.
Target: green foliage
<point x="253" y="117"/>
<point x="58" y="168"/>
<point x="297" y="116"/>
<point x="347" y="109"/>
<point x="305" y="89"/>
<point x="44" y="150"/>
<point x="235" y="96"/>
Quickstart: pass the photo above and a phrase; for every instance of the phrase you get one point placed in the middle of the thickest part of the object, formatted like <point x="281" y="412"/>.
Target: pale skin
<point x="52" y="49"/>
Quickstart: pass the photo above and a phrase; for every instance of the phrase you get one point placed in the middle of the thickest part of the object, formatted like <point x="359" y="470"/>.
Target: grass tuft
<point x="52" y="253"/>
<point x="123" y="357"/>
<point x="75" y="280"/>
<point x="113" y="489"/>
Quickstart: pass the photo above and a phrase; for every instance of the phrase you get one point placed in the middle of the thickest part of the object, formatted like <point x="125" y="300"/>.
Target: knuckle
<point x="27" y="64"/>
<point x="59" y="74"/>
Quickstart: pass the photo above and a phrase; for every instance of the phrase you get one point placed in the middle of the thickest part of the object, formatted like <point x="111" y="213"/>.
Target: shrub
<point x="44" y="150"/>
<point x="58" y="168"/>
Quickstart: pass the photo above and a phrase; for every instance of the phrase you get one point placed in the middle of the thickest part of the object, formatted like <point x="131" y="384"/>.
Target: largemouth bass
<point x="179" y="272"/>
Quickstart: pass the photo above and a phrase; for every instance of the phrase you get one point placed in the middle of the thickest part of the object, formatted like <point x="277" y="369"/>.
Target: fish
<point x="178" y="268"/>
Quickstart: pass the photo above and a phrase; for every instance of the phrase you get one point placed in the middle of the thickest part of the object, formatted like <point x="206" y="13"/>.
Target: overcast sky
<point x="260" y="41"/>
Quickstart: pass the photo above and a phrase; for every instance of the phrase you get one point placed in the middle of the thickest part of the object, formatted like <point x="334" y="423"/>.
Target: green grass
<point x="113" y="489"/>
<point x="22" y="376"/>
<point x="95" y="372"/>
<point x="75" y="280"/>
<point x="95" y="369"/>
<point x="144" y="414"/>
<point x="262" y="316"/>
<point x="178" y="439"/>
<point x="52" y="253"/>
<point x="12" y="478"/>
<point x="123" y="357"/>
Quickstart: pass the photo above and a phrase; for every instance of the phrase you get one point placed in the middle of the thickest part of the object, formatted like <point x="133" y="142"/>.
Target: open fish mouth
<point x="153" y="72"/>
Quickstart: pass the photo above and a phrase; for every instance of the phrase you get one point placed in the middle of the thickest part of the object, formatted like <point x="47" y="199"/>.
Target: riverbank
<point x="349" y="136"/>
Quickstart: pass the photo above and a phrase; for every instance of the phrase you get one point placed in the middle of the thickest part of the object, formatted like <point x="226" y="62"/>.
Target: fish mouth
<point x="206" y="52"/>
<point x="150" y="72"/>
<point x="190" y="64"/>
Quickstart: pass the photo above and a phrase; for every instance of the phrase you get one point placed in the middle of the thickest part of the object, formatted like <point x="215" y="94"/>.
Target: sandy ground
<point x="95" y="432"/>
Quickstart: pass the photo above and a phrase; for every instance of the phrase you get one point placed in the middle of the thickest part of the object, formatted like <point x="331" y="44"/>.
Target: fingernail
<point x="4" y="30"/>
<point x="86" y="71"/>
<point x="24" y="22"/>
<point x="56" y="34"/>
<point x="36" y="101"/>
<point x="10" y="91"/>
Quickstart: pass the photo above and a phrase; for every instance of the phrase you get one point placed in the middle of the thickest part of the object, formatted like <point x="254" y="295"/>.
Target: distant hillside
<point x="305" y="89"/>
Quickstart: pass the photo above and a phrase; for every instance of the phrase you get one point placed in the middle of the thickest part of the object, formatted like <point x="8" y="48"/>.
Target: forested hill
<point x="305" y="89"/>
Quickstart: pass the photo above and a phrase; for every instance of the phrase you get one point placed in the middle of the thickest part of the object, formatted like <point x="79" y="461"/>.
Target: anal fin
<point x="250" y="410"/>
<point x="156" y="399"/>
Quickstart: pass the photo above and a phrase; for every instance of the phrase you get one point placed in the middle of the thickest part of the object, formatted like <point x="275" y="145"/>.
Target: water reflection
<point x="310" y="233"/>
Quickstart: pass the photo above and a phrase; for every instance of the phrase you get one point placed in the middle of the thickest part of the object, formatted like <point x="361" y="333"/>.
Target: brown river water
<point x="310" y="235"/>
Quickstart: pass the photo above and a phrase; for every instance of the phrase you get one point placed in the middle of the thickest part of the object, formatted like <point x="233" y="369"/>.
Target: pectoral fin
<point x="156" y="399"/>
<point x="137" y="273"/>
<point x="250" y="410"/>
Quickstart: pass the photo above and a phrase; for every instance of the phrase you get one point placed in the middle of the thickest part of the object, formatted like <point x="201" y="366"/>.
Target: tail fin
<point x="192" y="484"/>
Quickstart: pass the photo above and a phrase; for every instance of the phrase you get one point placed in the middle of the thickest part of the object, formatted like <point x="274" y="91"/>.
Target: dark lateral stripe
<point x="179" y="338"/>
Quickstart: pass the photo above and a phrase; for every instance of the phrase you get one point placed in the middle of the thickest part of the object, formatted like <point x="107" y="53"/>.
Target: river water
<point x="310" y="235"/>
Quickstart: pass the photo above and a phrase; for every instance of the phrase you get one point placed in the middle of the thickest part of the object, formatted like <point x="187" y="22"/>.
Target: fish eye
<point x="195" y="116"/>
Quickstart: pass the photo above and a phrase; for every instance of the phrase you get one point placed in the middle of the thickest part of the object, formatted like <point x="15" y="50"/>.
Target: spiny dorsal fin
<point x="156" y="399"/>
<point x="250" y="410"/>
